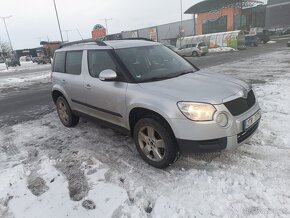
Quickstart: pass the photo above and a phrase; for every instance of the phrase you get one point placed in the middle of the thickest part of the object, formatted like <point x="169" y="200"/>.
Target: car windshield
<point x="152" y="63"/>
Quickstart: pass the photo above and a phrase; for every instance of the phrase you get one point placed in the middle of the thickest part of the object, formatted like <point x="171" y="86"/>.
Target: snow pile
<point x="25" y="75"/>
<point x="25" y="80"/>
<point x="28" y="65"/>
<point x="221" y="49"/>
<point x="271" y="42"/>
<point x="47" y="170"/>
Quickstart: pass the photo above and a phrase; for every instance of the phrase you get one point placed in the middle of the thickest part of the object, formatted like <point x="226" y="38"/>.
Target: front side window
<point x="151" y="63"/>
<point x="99" y="60"/>
<point x="59" y="62"/>
<point x="74" y="62"/>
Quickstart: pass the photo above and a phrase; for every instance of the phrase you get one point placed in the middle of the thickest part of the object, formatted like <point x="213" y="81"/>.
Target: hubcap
<point x="63" y="112"/>
<point x="151" y="143"/>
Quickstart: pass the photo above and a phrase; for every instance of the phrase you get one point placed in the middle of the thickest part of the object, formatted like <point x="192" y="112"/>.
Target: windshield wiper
<point x="158" y="78"/>
<point x="183" y="73"/>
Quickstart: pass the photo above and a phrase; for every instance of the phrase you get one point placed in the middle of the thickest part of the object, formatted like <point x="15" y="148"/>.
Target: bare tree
<point x="5" y="51"/>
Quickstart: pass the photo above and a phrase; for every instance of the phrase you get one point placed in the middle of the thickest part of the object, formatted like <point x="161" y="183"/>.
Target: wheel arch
<point x="138" y="113"/>
<point x="57" y="93"/>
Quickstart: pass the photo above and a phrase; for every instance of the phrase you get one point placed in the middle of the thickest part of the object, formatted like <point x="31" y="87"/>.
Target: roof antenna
<point x="80" y="34"/>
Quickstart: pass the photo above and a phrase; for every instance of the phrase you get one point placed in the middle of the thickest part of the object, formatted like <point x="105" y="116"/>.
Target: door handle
<point x="88" y="86"/>
<point x="63" y="81"/>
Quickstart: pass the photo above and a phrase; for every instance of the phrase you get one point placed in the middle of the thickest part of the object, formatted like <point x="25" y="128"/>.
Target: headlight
<point x="197" y="111"/>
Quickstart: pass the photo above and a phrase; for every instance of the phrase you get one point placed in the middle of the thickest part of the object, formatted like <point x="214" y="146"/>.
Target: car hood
<point x="200" y="86"/>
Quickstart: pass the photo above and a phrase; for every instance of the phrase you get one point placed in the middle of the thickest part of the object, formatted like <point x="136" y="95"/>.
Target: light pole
<point x="4" y="20"/>
<point x="106" y="23"/>
<point x="181" y="13"/>
<point x="58" y="21"/>
<point x="66" y="32"/>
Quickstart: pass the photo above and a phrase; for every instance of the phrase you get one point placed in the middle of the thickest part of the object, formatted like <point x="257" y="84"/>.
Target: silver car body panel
<point x="113" y="101"/>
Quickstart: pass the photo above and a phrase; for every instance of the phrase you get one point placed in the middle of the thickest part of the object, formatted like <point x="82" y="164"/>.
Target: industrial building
<point x="227" y="15"/>
<point x="166" y="33"/>
<point x="278" y="14"/>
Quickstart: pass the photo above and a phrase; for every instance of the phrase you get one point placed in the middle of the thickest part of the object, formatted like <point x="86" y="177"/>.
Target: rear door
<point x="105" y="100"/>
<point x="69" y="76"/>
<point x="203" y="47"/>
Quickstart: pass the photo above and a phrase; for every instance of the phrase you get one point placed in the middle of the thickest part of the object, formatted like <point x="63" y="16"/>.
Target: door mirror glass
<point x="108" y="75"/>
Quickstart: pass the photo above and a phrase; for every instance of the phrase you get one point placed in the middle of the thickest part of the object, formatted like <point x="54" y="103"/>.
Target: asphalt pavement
<point x="29" y="104"/>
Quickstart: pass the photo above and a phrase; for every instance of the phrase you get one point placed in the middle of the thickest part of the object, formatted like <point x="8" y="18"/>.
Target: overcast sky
<point x="33" y="20"/>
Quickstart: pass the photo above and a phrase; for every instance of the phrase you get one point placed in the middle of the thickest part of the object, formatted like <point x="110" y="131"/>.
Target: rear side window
<point x="100" y="60"/>
<point x="74" y="62"/>
<point x="59" y="62"/>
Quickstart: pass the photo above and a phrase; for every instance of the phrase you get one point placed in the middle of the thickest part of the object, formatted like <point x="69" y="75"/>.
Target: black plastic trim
<point x="247" y="133"/>
<point x="97" y="108"/>
<point x="120" y="129"/>
<point x="204" y="146"/>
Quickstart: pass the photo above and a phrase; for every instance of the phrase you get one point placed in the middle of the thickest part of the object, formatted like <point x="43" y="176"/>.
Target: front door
<point x="105" y="100"/>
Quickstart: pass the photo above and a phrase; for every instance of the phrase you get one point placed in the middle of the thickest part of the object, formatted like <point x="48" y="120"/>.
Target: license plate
<point x="252" y="120"/>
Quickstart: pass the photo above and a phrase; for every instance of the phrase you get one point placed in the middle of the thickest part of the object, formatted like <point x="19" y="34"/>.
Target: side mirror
<point x="108" y="75"/>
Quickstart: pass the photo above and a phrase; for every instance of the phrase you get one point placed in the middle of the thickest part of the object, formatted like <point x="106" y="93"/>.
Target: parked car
<point x="288" y="44"/>
<point x="44" y="60"/>
<point x="35" y="59"/>
<point x="172" y="47"/>
<point x="163" y="101"/>
<point x="264" y="36"/>
<point x="12" y="62"/>
<point x="251" y="40"/>
<point x="285" y="31"/>
<point x="195" y="50"/>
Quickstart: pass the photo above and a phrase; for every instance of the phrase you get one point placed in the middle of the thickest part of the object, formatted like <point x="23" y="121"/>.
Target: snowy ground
<point x="47" y="170"/>
<point x="221" y="49"/>
<point x="11" y="81"/>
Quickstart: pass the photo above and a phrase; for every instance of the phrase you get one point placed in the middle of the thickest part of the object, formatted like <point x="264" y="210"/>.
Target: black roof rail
<point x="98" y="42"/>
<point x="138" y="38"/>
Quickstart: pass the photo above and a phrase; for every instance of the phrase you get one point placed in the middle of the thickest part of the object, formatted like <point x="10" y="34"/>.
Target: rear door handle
<point x="88" y="86"/>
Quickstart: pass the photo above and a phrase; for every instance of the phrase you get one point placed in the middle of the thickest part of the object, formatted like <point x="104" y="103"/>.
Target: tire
<point x="155" y="142"/>
<point x="65" y="114"/>
<point x="195" y="54"/>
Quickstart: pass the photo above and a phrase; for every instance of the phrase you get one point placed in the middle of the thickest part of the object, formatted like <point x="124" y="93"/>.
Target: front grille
<point x="246" y="134"/>
<point x="241" y="105"/>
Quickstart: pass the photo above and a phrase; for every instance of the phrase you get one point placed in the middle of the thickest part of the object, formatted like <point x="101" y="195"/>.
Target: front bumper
<point x="215" y="145"/>
<point x="197" y="137"/>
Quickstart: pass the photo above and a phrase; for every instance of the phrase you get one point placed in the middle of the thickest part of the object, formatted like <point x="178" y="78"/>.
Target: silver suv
<point x="198" y="49"/>
<point x="167" y="104"/>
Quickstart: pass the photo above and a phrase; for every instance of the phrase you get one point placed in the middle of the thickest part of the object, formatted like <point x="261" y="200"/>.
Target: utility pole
<point x="181" y="13"/>
<point x="66" y="32"/>
<point x="58" y="21"/>
<point x="181" y="20"/>
<point x="4" y="20"/>
<point x="80" y="34"/>
<point x="106" y="22"/>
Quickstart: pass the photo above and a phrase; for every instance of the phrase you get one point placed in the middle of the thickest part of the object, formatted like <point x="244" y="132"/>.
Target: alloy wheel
<point x="63" y="111"/>
<point x="151" y="143"/>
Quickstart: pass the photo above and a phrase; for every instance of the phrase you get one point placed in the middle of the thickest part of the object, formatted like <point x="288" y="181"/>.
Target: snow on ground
<point x="11" y="81"/>
<point x="271" y="42"/>
<point x="24" y="66"/>
<point x="221" y="49"/>
<point x="47" y="170"/>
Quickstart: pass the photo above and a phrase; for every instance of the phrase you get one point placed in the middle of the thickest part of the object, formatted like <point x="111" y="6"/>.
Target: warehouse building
<point x="278" y="14"/>
<point x="166" y="33"/>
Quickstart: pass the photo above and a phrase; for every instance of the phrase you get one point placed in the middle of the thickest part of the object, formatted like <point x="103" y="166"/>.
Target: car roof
<point x="110" y="44"/>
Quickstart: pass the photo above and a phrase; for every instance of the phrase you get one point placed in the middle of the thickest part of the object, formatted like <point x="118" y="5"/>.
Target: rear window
<point x="59" y="62"/>
<point x="74" y="62"/>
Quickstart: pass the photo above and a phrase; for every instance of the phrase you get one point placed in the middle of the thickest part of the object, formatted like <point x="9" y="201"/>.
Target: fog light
<point x="222" y="119"/>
